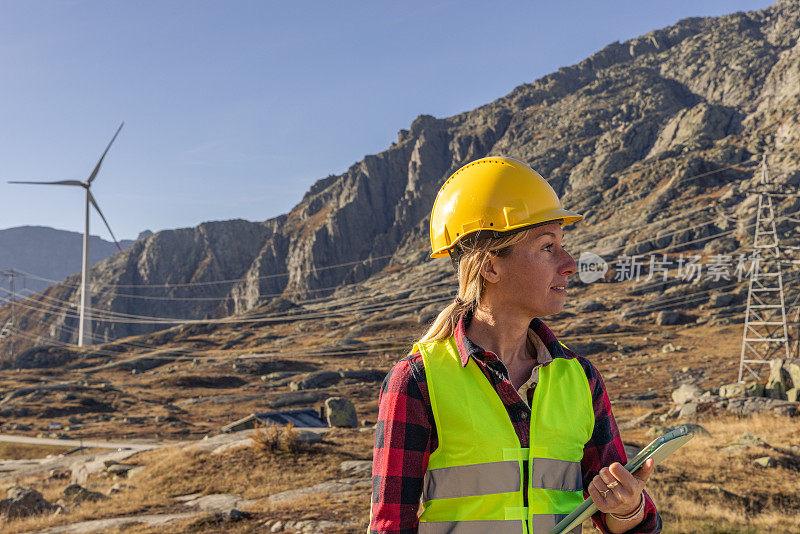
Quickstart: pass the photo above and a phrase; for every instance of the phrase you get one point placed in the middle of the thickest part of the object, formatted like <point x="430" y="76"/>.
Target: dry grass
<point x="247" y="472"/>
<point x="273" y="438"/>
<point x="704" y="489"/>
<point x="25" y="451"/>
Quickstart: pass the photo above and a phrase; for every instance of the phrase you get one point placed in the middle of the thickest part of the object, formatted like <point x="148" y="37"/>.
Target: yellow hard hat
<point x="494" y="194"/>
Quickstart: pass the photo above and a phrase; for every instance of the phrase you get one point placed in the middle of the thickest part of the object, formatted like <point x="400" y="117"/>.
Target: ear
<point x="489" y="270"/>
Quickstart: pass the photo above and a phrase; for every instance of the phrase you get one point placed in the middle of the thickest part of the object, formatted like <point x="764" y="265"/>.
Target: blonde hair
<point x="471" y="257"/>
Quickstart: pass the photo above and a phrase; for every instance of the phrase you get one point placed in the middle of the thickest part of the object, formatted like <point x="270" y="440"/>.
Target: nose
<point x="568" y="266"/>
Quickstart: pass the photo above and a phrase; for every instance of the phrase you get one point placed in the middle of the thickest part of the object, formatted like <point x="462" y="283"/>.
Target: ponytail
<point x="471" y="257"/>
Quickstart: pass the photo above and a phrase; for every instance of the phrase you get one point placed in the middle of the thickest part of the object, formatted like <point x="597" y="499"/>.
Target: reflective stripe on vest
<point x="473" y="481"/>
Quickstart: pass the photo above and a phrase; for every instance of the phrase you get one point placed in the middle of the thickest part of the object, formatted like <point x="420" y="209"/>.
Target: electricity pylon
<point x="765" y="335"/>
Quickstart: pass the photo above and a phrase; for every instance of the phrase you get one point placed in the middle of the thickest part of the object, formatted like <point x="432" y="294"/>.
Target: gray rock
<point x="340" y="412"/>
<point x="688" y="409"/>
<point x="765" y="462"/>
<point x="364" y="375"/>
<point x="754" y="389"/>
<point x="721" y="300"/>
<point x="754" y="405"/>
<point x="686" y="393"/>
<point x="356" y="468"/>
<point x="119" y="469"/>
<point x="314" y="380"/>
<point x="744" y="441"/>
<point x="791" y="367"/>
<point x="22" y="502"/>
<point x="218" y="502"/>
<point x="589" y="306"/>
<point x="77" y="493"/>
<point x="735" y="389"/>
<point x="333" y="487"/>
<point x="778" y="381"/>
<point x="665" y="318"/>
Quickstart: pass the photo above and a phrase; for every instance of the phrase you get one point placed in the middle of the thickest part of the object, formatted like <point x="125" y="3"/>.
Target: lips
<point x="559" y="289"/>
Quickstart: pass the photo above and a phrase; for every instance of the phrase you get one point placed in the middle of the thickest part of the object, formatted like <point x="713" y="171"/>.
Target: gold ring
<point x="612" y="485"/>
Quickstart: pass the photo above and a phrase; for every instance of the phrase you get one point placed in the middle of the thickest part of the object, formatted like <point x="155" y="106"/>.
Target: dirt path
<point x="98" y="525"/>
<point x="139" y="445"/>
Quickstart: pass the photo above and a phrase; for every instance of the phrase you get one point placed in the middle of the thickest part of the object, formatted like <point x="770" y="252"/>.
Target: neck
<point x="503" y="333"/>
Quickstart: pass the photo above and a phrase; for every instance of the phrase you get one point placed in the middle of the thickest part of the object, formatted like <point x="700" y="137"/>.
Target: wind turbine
<point x="85" y="325"/>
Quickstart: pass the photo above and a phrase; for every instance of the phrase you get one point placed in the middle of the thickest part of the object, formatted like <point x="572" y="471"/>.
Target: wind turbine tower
<point x="85" y="324"/>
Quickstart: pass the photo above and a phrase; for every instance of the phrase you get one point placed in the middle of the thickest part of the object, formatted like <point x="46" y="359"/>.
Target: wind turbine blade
<point x="60" y="182"/>
<point x="91" y="199"/>
<point x="97" y="168"/>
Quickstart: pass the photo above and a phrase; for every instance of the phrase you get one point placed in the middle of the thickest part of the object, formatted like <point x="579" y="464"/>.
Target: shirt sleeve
<point x="402" y="448"/>
<point x="604" y="448"/>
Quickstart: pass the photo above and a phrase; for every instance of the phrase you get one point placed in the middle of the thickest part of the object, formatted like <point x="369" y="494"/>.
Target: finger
<point x="624" y="477"/>
<point x="597" y="497"/>
<point x="601" y="500"/>
<point x="606" y="475"/>
<point x="611" y="499"/>
<point x="644" y="472"/>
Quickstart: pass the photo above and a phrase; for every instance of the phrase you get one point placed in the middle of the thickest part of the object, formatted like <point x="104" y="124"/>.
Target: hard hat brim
<point x="564" y="217"/>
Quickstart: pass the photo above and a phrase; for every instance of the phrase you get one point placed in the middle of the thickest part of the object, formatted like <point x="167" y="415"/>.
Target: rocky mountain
<point x="655" y="140"/>
<point x="49" y="253"/>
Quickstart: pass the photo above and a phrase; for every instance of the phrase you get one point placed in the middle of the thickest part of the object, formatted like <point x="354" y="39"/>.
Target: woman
<point x="491" y="425"/>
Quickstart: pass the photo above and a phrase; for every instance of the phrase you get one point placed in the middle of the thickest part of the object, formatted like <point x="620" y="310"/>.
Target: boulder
<point x="76" y="493"/>
<point x="356" y="468"/>
<point x="744" y="441"/>
<point x="766" y="462"/>
<point x="217" y="502"/>
<point x="119" y="469"/>
<point x="590" y="306"/>
<point x="736" y="389"/>
<point x="333" y="487"/>
<point x="721" y="300"/>
<point x="22" y="502"/>
<point x="754" y="389"/>
<point x="341" y="412"/>
<point x="314" y="380"/>
<point x="686" y="393"/>
<point x="778" y="382"/>
<point x="754" y="405"/>
<point x="793" y="395"/>
<point x="364" y="375"/>
<point x="791" y="367"/>
<point x="666" y="318"/>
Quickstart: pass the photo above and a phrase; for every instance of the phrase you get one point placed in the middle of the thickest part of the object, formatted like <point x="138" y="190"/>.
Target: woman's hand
<point x="624" y="497"/>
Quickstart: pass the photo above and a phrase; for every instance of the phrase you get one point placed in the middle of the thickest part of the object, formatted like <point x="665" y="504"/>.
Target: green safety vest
<point x="474" y="480"/>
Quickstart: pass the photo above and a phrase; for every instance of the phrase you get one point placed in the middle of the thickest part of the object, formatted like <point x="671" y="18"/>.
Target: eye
<point x="547" y="247"/>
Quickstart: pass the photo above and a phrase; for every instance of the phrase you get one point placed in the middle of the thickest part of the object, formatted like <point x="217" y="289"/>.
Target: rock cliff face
<point x="624" y="136"/>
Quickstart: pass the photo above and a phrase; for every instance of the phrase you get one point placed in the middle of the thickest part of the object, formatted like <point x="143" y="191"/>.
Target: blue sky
<point x="233" y="109"/>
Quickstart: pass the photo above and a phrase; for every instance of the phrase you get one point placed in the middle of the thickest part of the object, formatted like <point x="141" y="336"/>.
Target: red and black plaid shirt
<point x="406" y="434"/>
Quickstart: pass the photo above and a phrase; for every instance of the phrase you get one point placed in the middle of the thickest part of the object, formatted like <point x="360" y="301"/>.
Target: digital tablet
<point x="658" y="450"/>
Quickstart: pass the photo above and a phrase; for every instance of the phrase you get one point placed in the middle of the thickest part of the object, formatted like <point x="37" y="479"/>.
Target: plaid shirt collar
<point x="467" y="348"/>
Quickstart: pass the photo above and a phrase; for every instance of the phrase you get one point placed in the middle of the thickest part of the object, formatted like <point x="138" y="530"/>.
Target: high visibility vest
<point x="475" y="479"/>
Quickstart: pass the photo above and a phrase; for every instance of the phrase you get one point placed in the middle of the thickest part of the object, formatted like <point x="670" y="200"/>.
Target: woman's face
<point x="533" y="277"/>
